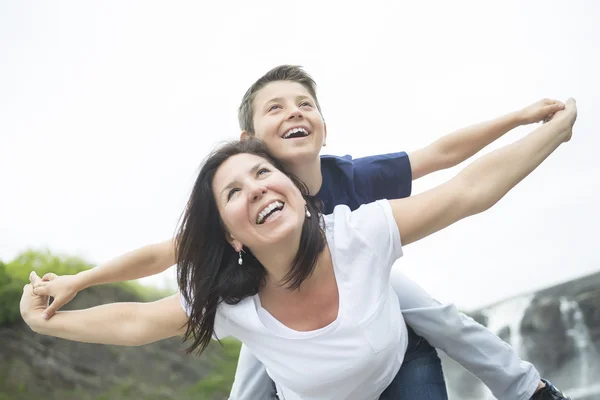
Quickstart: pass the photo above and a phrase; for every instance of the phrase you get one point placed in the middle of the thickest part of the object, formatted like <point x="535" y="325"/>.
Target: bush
<point x="220" y="380"/>
<point x="43" y="262"/>
<point x="10" y="295"/>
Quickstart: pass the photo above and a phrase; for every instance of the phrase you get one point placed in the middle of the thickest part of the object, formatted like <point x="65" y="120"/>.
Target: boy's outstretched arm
<point x="483" y="183"/>
<point x="139" y="263"/>
<point x="457" y="146"/>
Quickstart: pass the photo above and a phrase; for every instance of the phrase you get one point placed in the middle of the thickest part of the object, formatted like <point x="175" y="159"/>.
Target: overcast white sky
<point x="107" y="109"/>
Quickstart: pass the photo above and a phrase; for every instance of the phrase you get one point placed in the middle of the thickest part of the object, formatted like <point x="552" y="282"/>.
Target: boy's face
<point x="287" y="120"/>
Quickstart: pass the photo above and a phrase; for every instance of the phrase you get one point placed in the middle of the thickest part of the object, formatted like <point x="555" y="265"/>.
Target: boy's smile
<point x="296" y="132"/>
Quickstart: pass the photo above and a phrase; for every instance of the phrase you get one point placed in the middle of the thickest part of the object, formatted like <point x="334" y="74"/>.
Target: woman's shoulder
<point x="365" y="214"/>
<point x="371" y="228"/>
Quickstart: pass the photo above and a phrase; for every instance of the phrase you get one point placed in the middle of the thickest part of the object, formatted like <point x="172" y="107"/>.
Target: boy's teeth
<point x="294" y="130"/>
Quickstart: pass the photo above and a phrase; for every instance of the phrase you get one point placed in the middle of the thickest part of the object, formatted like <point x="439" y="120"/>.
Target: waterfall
<point x="562" y="339"/>
<point x="509" y="314"/>
<point x="586" y="355"/>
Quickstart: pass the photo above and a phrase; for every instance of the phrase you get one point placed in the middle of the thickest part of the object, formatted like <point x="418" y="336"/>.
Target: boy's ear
<point x="324" y="134"/>
<point x="245" y="135"/>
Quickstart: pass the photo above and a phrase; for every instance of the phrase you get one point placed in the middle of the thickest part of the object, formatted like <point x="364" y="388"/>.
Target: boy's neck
<point x="309" y="173"/>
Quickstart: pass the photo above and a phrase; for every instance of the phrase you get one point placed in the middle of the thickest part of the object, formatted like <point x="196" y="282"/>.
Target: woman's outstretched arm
<point x="125" y="324"/>
<point x="139" y="263"/>
<point x="483" y="183"/>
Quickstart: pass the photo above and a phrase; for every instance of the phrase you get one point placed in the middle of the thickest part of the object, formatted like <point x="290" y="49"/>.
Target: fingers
<point x="28" y="289"/>
<point x="550" y="102"/>
<point x="49" y="277"/>
<point x="52" y="309"/>
<point x="552" y="108"/>
<point x="39" y="286"/>
<point x="41" y="290"/>
<point x="33" y="277"/>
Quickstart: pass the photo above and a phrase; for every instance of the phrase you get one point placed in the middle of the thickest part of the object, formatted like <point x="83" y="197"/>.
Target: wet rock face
<point x="545" y="340"/>
<point x="556" y="329"/>
<point x="590" y="307"/>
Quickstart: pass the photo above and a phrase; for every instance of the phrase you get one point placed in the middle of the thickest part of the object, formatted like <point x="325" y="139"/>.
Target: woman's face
<point x="258" y="204"/>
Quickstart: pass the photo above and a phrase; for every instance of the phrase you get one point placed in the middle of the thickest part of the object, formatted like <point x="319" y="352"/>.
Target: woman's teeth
<point x="268" y="210"/>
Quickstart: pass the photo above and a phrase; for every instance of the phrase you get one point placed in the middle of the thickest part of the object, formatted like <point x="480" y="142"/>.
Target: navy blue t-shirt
<point x="364" y="180"/>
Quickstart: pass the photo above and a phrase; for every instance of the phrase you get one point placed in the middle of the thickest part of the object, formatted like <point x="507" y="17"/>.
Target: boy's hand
<point x="542" y="110"/>
<point x="568" y="116"/>
<point x="61" y="288"/>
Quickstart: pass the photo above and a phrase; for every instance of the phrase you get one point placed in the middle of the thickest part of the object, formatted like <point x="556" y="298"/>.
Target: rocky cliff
<point x="556" y="329"/>
<point x="34" y="366"/>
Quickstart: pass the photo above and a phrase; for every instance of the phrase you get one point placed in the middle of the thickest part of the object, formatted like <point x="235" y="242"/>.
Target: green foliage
<point x="10" y="295"/>
<point x="144" y="293"/>
<point x="220" y="380"/>
<point x="43" y="262"/>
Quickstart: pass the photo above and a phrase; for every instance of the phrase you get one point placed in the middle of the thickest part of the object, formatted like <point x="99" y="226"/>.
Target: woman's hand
<point x="32" y="305"/>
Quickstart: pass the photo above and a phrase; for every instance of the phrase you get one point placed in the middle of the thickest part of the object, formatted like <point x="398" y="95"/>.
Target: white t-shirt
<point x="356" y="356"/>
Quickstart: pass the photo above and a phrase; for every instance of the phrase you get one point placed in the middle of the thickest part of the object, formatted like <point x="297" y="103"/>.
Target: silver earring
<point x="307" y="212"/>
<point x="240" y="259"/>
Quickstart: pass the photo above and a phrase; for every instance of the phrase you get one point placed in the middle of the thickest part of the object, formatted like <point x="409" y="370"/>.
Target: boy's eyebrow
<point x="280" y="99"/>
<point x="231" y="184"/>
<point x="273" y="100"/>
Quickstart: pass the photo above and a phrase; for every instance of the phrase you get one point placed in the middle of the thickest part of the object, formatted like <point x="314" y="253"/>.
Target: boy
<point x="285" y="97"/>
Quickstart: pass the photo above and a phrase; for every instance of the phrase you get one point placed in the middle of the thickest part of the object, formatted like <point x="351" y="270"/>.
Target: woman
<point x="283" y="281"/>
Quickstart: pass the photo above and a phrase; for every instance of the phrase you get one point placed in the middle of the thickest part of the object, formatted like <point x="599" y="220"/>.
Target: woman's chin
<point x="281" y="230"/>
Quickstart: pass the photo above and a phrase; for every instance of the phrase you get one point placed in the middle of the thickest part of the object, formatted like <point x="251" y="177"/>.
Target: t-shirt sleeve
<point x="384" y="176"/>
<point x="220" y="320"/>
<point x="374" y="226"/>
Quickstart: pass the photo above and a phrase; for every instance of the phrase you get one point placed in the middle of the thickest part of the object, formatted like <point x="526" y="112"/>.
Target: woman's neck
<point x="278" y="258"/>
<point x="277" y="271"/>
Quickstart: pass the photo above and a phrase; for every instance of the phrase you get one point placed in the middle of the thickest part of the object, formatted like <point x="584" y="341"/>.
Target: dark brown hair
<point x="208" y="272"/>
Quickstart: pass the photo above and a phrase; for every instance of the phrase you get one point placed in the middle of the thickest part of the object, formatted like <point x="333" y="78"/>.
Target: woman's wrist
<point x="33" y="318"/>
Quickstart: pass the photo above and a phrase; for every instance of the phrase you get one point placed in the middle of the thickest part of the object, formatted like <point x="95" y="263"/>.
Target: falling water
<point x="586" y="356"/>
<point x="508" y="314"/>
<point x="576" y="372"/>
